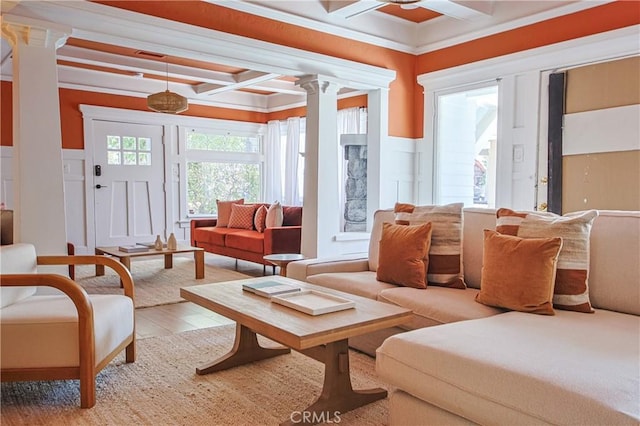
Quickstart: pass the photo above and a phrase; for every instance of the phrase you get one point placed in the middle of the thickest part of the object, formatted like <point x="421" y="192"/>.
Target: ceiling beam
<point x="349" y="8"/>
<point x="460" y="9"/>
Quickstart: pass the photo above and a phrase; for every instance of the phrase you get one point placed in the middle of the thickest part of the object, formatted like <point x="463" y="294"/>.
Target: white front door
<point x="128" y="183"/>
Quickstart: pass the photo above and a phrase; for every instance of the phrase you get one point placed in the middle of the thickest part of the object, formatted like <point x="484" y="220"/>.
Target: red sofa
<point x="246" y="244"/>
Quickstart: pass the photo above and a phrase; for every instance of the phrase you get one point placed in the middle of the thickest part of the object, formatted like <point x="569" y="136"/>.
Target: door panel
<point x="128" y="190"/>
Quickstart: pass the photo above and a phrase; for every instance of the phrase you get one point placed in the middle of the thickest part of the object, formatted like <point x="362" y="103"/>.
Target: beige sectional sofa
<point x="462" y="362"/>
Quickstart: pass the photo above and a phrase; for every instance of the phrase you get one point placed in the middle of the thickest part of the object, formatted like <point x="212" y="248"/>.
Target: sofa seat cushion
<point x="569" y="368"/>
<point x="252" y="241"/>
<point x="438" y="305"/>
<point x="361" y="283"/>
<point x="42" y="331"/>
<point x="213" y="235"/>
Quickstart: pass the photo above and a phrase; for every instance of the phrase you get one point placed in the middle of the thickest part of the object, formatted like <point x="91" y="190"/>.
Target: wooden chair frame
<point x="87" y="369"/>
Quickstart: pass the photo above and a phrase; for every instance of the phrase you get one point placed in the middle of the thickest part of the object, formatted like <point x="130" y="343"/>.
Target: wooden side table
<point x="282" y="260"/>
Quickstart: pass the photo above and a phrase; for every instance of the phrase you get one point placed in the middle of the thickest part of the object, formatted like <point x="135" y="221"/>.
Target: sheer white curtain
<point x="292" y="159"/>
<point x="350" y="121"/>
<point x="273" y="163"/>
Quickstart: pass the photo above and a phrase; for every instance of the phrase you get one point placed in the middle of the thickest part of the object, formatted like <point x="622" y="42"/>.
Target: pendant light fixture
<point x="167" y="101"/>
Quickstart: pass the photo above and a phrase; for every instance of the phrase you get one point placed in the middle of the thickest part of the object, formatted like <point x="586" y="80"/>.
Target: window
<point x="466" y="146"/>
<point x="222" y="165"/>
<point x="128" y="151"/>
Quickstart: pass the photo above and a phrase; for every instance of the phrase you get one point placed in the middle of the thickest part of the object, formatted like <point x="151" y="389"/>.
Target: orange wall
<point x="71" y="117"/>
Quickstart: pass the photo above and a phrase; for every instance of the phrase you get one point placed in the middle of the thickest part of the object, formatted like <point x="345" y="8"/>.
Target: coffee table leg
<point x="198" y="256"/>
<point x="99" y="268"/>
<point x="338" y="396"/>
<point x="168" y="261"/>
<point x="245" y="349"/>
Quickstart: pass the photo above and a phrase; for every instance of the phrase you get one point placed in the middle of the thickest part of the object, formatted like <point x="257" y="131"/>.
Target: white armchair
<point x="67" y="336"/>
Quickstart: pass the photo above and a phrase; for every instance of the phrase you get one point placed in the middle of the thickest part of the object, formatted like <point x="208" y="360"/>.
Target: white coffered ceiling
<point x="96" y="60"/>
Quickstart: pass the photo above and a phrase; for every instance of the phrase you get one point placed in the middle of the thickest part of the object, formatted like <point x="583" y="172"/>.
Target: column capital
<point x="316" y="84"/>
<point x="33" y="32"/>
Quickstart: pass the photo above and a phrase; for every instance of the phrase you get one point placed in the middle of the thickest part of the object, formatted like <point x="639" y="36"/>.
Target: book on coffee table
<point x="133" y="248"/>
<point x="269" y="288"/>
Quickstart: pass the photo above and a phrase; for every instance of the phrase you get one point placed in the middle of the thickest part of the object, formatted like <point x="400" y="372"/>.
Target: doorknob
<point x="542" y="207"/>
<point x="98" y="186"/>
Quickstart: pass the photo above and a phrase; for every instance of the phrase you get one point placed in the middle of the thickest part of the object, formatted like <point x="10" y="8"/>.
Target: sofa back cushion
<point x="614" y="273"/>
<point x="474" y="222"/>
<point x="379" y="217"/>
<point x="17" y="259"/>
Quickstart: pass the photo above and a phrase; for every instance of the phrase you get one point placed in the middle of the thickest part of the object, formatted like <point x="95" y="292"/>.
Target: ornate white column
<point x="37" y="141"/>
<point x="321" y="203"/>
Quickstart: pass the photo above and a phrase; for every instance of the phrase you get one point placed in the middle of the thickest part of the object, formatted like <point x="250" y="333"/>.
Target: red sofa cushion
<point x="214" y="235"/>
<point x="252" y="241"/>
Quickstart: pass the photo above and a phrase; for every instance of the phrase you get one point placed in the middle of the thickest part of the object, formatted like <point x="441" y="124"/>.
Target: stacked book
<point x="269" y="288"/>
<point x="133" y="248"/>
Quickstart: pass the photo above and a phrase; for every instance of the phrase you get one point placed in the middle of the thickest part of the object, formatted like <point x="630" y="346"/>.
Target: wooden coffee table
<point x="322" y="337"/>
<point x="125" y="257"/>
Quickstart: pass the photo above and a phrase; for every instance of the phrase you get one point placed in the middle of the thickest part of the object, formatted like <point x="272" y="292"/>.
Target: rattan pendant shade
<point x="167" y="101"/>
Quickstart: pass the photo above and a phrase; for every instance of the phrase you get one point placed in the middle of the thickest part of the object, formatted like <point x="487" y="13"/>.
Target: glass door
<point x="466" y="146"/>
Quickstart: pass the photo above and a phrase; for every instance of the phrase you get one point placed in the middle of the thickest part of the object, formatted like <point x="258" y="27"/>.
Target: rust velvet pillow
<point x="224" y="211"/>
<point x="519" y="273"/>
<point x="403" y="254"/>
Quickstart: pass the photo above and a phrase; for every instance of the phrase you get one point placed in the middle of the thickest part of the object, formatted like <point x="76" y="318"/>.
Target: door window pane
<point x="128" y="150"/>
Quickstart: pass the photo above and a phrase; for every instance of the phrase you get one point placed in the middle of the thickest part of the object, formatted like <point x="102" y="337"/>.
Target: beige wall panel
<point x="608" y="181"/>
<point x="605" y="85"/>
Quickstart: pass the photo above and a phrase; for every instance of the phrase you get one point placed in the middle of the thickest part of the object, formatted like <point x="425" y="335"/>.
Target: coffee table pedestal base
<point x="337" y="396"/>
<point x="245" y="349"/>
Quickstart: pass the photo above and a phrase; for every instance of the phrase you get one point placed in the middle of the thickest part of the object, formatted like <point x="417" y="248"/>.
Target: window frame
<point x="229" y="157"/>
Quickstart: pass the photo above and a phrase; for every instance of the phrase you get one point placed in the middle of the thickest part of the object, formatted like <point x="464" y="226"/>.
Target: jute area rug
<point x="153" y="284"/>
<point x="161" y="388"/>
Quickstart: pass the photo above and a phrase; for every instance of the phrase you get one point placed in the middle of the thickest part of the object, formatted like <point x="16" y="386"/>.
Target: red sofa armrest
<point x="282" y="239"/>
<point x="200" y="223"/>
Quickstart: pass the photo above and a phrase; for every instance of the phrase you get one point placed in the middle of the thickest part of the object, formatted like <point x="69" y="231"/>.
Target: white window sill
<point x="352" y="236"/>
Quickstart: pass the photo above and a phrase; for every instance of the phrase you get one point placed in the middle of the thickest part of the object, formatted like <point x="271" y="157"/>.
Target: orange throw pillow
<point x="259" y="221"/>
<point x="403" y="254"/>
<point x="242" y="216"/>
<point x="519" y="273"/>
<point x="224" y="211"/>
<point x="572" y="278"/>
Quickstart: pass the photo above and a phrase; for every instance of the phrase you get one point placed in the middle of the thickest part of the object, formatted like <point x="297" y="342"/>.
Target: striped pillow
<point x="445" y="253"/>
<point x="571" y="290"/>
<point x="242" y="216"/>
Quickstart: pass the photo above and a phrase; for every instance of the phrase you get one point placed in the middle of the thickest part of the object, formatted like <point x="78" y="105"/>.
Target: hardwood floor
<point x="178" y="317"/>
